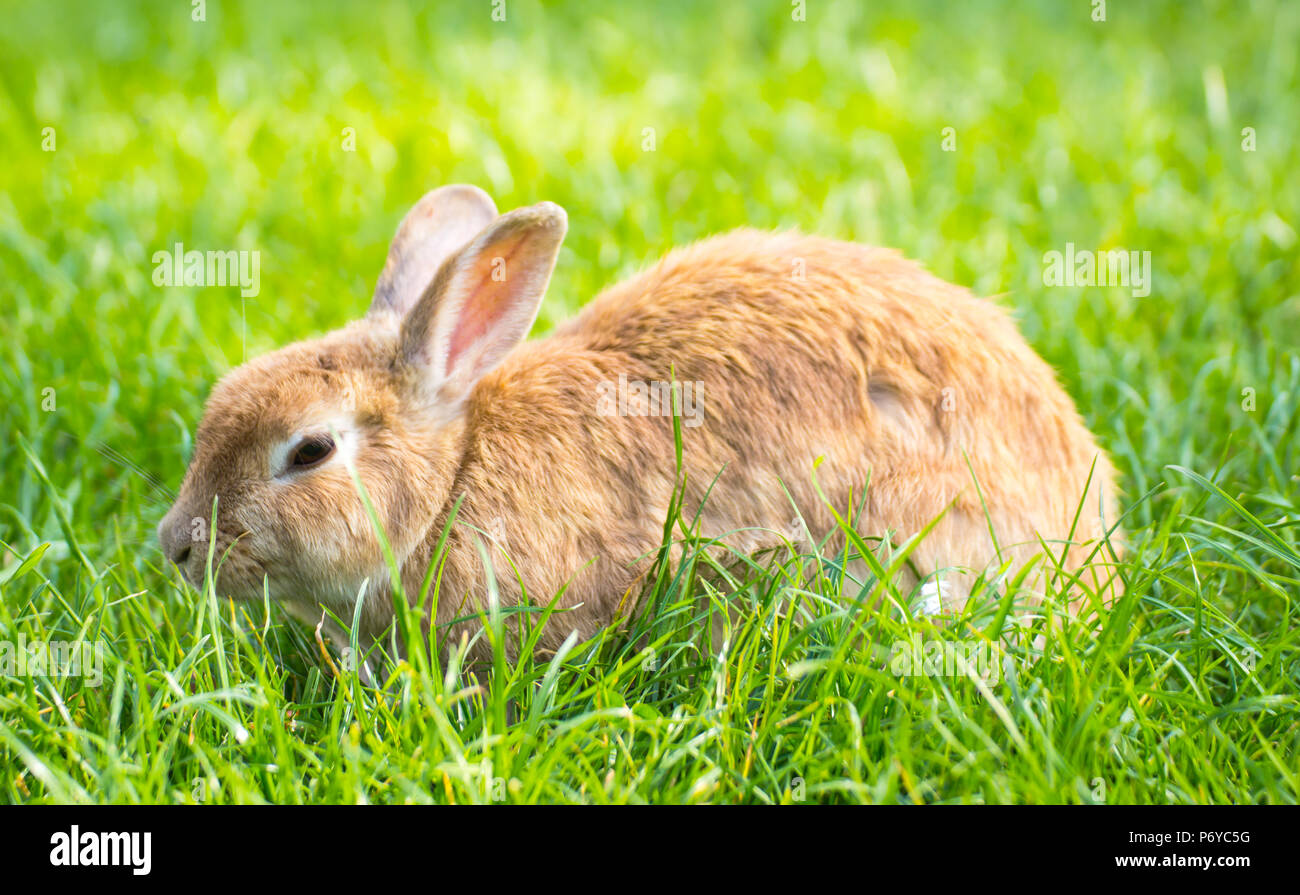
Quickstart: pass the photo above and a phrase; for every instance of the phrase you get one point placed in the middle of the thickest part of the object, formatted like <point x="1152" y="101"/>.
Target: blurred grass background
<point x="230" y="134"/>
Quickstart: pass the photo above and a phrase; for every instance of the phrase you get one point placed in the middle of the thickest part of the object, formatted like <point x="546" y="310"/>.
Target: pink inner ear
<point x="487" y="301"/>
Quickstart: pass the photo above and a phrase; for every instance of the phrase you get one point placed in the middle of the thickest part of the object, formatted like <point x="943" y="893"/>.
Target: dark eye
<point x="312" y="450"/>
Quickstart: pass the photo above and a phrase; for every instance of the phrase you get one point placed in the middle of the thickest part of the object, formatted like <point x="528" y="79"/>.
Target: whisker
<point x="115" y="456"/>
<point x="153" y="499"/>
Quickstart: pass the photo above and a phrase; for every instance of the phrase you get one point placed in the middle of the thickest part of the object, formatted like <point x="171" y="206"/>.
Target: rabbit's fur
<point x="802" y="348"/>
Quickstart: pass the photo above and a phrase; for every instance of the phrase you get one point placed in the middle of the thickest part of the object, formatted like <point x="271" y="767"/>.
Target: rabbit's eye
<point x="312" y="451"/>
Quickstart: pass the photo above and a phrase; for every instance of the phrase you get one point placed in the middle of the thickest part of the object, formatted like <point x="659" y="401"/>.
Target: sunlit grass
<point x="229" y="134"/>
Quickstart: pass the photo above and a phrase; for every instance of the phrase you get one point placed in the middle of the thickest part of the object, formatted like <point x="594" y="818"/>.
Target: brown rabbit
<point x="787" y="347"/>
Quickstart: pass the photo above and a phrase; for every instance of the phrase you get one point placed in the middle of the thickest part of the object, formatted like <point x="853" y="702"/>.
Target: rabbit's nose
<point x="174" y="538"/>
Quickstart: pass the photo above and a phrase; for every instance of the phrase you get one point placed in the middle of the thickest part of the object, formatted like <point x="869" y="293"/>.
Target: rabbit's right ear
<point x="433" y="230"/>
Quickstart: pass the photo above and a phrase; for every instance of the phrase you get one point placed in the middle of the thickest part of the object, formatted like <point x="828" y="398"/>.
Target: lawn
<point x="975" y="137"/>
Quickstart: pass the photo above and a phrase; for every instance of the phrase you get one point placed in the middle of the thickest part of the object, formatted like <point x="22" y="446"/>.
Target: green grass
<point x="229" y="134"/>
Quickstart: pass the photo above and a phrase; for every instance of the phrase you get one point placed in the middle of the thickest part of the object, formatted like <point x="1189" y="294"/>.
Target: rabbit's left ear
<point x="482" y="302"/>
<point x="440" y="223"/>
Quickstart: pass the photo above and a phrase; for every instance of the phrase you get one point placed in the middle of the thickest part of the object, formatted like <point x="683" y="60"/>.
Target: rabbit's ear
<point x="483" y="301"/>
<point x="439" y="224"/>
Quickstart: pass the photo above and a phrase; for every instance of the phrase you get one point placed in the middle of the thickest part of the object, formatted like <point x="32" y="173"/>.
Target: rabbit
<point x="913" y="398"/>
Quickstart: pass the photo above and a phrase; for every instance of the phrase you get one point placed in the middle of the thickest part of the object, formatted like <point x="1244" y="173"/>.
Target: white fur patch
<point x="933" y="593"/>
